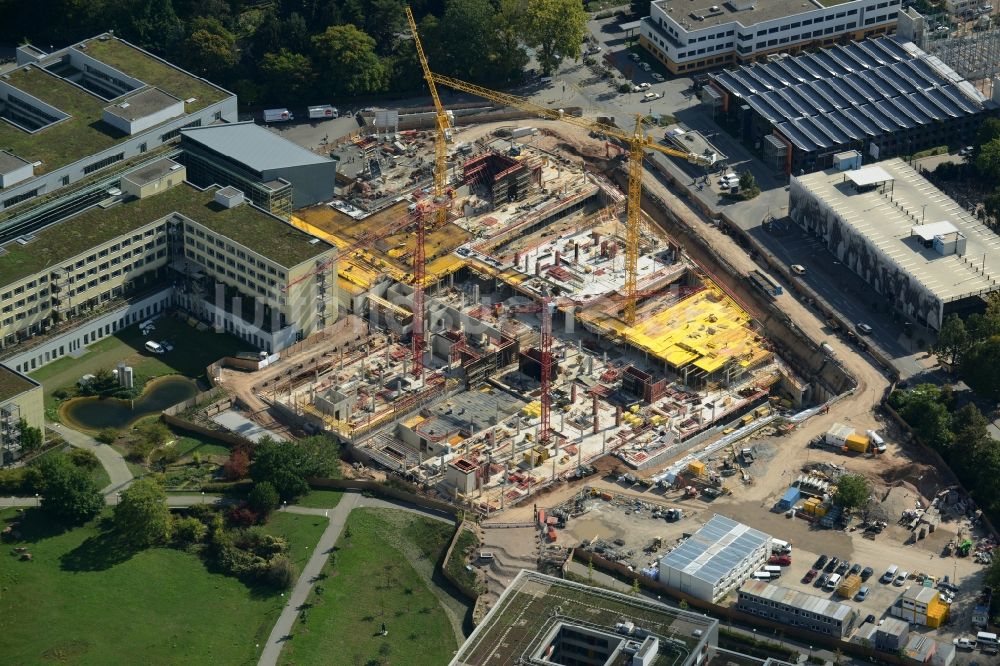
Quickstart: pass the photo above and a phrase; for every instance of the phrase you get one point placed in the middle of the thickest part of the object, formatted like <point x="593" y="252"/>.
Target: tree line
<point x="972" y="347"/>
<point x="982" y="169"/>
<point x="289" y="52"/>
<point x="959" y="434"/>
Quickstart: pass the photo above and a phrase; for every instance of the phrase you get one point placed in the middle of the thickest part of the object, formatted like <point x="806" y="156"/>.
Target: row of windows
<point x="18" y="198"/>
<point x="790" y="610"/>
<point x="231" y="249"/>
<point x="221" y="270"/>
<point x="707" y="49"/>
<point x="100" y="164"/>
<point x="104" y="76"/>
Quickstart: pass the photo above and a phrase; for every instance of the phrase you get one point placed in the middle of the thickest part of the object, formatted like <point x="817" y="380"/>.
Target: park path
<point x="112" y="461"/>
<point x="310" y="574"/>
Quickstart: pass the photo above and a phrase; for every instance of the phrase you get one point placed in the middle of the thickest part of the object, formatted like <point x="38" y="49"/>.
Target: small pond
<point x="96" y="413"/>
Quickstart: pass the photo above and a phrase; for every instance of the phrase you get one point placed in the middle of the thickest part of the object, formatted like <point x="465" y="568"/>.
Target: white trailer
<point x="277" y="115"/>
<point x="323" y="112"/>
<point x="838" y="433"/>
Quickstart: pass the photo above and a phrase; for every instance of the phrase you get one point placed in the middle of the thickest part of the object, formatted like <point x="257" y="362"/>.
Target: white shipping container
<point x="323" y="111"/>
<point x="277" y="115"/>
<point x="838" y="433"/>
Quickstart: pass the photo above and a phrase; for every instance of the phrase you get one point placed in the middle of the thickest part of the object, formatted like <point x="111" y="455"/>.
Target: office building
<point x="20" y="400"/>
<point x="796" y="609"/>
<point x="208" y="251"/>
<point x="716" y="559"/>
<point x="880" y="97"/>
<point x="540" y="620"/>
<point x="917" y="248"/>
<point x="77" y="118"/>
<point x="276" y="174"/>
<point x="691" y="35"/>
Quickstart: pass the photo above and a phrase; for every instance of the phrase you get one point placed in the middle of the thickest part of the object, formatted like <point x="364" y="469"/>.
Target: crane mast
<point x="546" y="362"/>
<point x="440" y="214"/>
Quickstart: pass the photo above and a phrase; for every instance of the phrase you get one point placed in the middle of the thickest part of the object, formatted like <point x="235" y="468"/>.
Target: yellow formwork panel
<point x="706" y="329"/>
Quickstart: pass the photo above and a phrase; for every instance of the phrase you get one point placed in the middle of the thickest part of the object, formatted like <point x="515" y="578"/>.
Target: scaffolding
<point x="974" y="56"/>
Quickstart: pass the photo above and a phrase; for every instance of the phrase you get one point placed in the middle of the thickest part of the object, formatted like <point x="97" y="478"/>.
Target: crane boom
<point x="638" y="141"/>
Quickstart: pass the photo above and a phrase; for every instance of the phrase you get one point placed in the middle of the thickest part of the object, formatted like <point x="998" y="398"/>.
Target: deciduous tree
<point x="555" y="29"/>
<point x="988" y="161"/>
<point x="69" y="495"/>
<point x="210" y="49"/>
<point x="347" y="56"/>
<point x="852" y="491"/>
<point x="953" y="339"/>
<point x="289" y="74"/>
<point x="141" y="516"/>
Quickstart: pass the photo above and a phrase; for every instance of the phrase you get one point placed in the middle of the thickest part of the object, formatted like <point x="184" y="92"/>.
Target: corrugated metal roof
<point x="876" y="86"/>
<point x="253" y="146"/>
<point x="714" y="550"/>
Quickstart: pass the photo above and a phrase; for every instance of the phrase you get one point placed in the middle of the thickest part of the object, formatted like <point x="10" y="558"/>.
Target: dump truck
<point x="849" y="586"/>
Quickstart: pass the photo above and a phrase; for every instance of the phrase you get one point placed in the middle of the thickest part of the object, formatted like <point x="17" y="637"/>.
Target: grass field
<point x="320" y="499"/>
<point x="370" y="580"/>
<point x="71" y="605"/>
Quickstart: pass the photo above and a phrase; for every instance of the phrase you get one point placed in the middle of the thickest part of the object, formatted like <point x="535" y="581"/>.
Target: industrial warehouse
<point x="880" y="97"/>
<point x="913" y="245"/>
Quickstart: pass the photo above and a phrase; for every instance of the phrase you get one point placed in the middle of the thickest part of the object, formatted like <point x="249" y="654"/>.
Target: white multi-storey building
<point x="690" y="35"/>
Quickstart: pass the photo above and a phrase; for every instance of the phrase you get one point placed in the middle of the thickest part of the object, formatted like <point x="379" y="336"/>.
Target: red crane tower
<point x="419" y="271"/>
<point x="545" y="346"/>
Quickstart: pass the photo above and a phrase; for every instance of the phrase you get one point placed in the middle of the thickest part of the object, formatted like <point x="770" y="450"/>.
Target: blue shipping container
<point x="789" y="499"/>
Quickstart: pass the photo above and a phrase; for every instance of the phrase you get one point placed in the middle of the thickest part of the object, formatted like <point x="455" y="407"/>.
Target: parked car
<point x="645" y="66"/>
<point x="866" y="573"/>
<point x="901" y="578"/>
<point x="831" y="565"/>
<point x="809" y="576"/>
<point x="634" y="57"/>
<point x="798" y="269"/>
<point x="855" y="569"/>
<point x="821" y="581"/>
<point x="645" y="85"/>
<point x="821" y="562"/>
<point x="862" y="594"/>
<point x="965" y="643"/>
<point x="842" y="568"/>
<point x="650" y="96"/>
<point x="865" y="328"/>
<point x="658" y="77"/>
<point x="780" y="560"/>
<point x="965" y="152"/>
<point x="870" y="618"/>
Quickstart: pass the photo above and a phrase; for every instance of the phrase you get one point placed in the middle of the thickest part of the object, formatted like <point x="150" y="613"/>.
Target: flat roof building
<point x="880" y="97"/>
<point x="540" y="620"/>
<point x="717" y="558"/>
<point x="94" y="108"/>
<point x="690" y="35"/>
<point x="903" y="236"/>
<point x="172" y="236"/>
<point x="260" y="163"/>
<point x="797" y="609"/>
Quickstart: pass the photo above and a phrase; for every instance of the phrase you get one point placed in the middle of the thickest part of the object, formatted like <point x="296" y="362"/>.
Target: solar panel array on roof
<point x="850" y="92"/>
<point x="715" y="550"/>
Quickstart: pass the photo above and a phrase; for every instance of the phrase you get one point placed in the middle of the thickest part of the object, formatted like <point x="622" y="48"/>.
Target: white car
<point x="965" y="643"/>
<point x="650" y="96"/>
<point x="658" y="77"/>
<point x="645" y="66"/>
<point x="798" y="269"/>
<point x="634" y="57"/>
<point x="645" y="85"/>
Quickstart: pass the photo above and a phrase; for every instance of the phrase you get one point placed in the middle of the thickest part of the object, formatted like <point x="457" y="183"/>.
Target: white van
<point x="901" y="578"/>
<point x="987" y="642"/>
<point x="761" y="575"/>
<point x="773" y="570"/>
<point x="832" y="582"/>
<point x="889" y="574"/>
<point x="154" y="347"/>
<point x="781" y="547"/>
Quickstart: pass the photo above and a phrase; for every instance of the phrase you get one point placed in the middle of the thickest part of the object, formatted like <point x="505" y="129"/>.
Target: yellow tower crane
<point x="637" y="141"/>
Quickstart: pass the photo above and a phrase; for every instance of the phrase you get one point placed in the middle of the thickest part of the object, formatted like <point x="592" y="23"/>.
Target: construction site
<point x="523" y="316"/>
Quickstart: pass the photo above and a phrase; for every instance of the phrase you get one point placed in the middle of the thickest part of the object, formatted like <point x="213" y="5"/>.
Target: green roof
<point x="251" y="227"/>
<point x="84" y="132"/>
<point x="134" y="62"/>
<point x="13" y="383"/>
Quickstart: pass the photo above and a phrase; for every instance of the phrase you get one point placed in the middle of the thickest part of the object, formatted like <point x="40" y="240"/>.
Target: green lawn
<point x="372" y="581"/>
<point x="301" y="531"/>
<point x="193" y="352"/>
<point x="321" y="499"/>
<point x="76" y="605"/>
